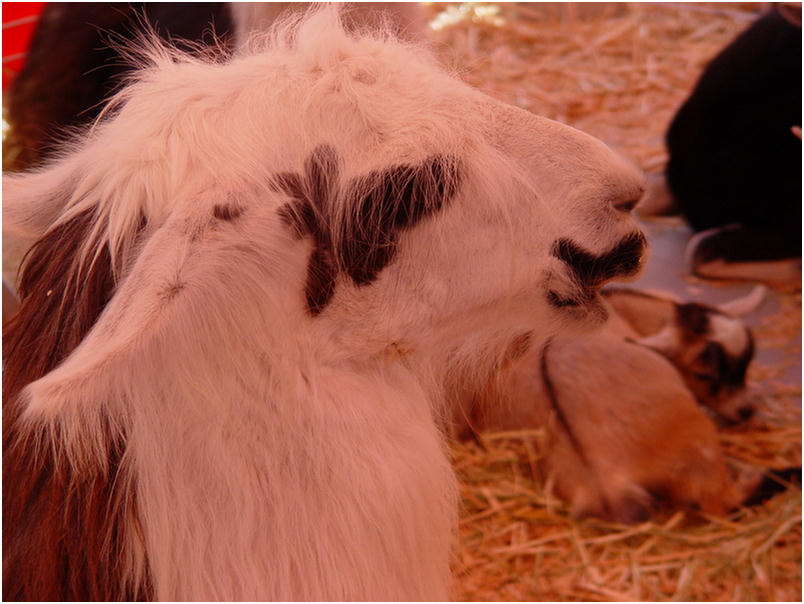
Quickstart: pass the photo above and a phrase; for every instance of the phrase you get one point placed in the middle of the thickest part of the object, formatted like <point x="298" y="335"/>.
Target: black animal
<point x="735" y="160"/>
<point x="73" y="65"/>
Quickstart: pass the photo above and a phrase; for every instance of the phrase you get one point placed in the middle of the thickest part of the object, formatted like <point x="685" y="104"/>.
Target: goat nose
<point x="746" y="412"/>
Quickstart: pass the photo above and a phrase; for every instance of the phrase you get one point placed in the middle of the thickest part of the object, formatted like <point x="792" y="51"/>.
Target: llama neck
<point x="241" y="492"/>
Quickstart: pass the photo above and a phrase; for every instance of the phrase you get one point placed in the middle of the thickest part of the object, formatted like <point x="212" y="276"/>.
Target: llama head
<point x="329" y="192"/>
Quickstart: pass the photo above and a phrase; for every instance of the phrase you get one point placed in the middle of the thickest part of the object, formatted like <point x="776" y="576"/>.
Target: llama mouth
<point x="590" y="272"/>
<point x="584" y="305"/>
<point x="560" y="301"/>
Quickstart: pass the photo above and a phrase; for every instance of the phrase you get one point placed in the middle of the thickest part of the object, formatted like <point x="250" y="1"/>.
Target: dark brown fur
<point x="227" y="211"/>
<point x="385" y="203"/>
<point x="307" y="214"/>
<point x="390" y="201"/>
<point x="74" y="65"/>
<point x="63" y="528"/>
<point x="592" y="270"/>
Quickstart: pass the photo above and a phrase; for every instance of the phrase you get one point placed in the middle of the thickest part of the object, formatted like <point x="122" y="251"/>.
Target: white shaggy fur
<point x="275" y="455"/>
<point x="405" y="19"/>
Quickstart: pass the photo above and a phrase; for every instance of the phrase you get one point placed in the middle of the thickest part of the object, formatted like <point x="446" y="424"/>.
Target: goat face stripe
<point x="385" y="202"/>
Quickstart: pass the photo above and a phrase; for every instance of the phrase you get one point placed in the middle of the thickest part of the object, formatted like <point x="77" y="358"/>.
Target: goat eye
<point x="713" y="382"/>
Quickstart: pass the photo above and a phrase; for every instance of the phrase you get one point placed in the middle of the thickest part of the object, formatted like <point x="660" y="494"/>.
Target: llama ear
<point x="187" y="294"/>
<point x="33" y="201"/>
<point x="386" y="202"/>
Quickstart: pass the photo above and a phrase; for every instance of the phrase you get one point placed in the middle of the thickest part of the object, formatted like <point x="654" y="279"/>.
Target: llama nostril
<point x="745" y="413"/>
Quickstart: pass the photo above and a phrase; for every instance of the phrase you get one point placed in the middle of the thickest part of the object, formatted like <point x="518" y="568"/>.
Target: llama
<point x="249" y="284"/>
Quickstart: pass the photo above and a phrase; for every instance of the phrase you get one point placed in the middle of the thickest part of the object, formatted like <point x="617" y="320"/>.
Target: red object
<point x="19" y="23"/>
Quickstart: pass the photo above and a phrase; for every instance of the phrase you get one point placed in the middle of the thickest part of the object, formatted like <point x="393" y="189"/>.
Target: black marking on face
<point x="381" y="204"/>
<point x="591" y="270"/>
<point x="386" y="202"/>
<point x="171" y="290"/>
<point x="693" y="320"/>
<point x="226" y="211"/>
<point x="320" y="284"/>
<point x="307" y="215"/>
<point x="564" y="302"/>
<point x="299" y="217"/>
<point x="722" y="371"/>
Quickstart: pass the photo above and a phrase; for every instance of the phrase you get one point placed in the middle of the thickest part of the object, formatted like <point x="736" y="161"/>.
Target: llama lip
<point x="591" y="271"/>
<point x="560" y="301"/>
<point x="584" y="305"/>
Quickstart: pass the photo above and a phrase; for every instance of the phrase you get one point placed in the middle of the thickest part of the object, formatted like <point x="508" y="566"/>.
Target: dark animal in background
<point x="71" y="68"/>
<point x="74" y="63"/>
<point x="735" y="160"/>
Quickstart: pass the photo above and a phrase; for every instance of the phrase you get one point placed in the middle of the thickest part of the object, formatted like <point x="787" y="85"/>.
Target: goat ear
<point x="33" y="201"/>
<point x="184" y="297"/>
<point x="745" y="305"/>
<point x="665" y="342"/>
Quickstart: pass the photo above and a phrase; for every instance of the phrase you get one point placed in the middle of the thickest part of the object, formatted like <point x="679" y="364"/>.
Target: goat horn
<point x="743" y="306"/>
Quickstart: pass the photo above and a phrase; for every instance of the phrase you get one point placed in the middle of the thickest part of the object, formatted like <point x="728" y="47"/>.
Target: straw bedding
<point x="619" y="72"/>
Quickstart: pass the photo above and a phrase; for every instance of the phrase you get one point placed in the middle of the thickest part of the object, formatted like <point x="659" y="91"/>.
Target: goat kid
<point x="710" y="347"/>
<point x="248" y="285"/>
<point x="621" y="406"/>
